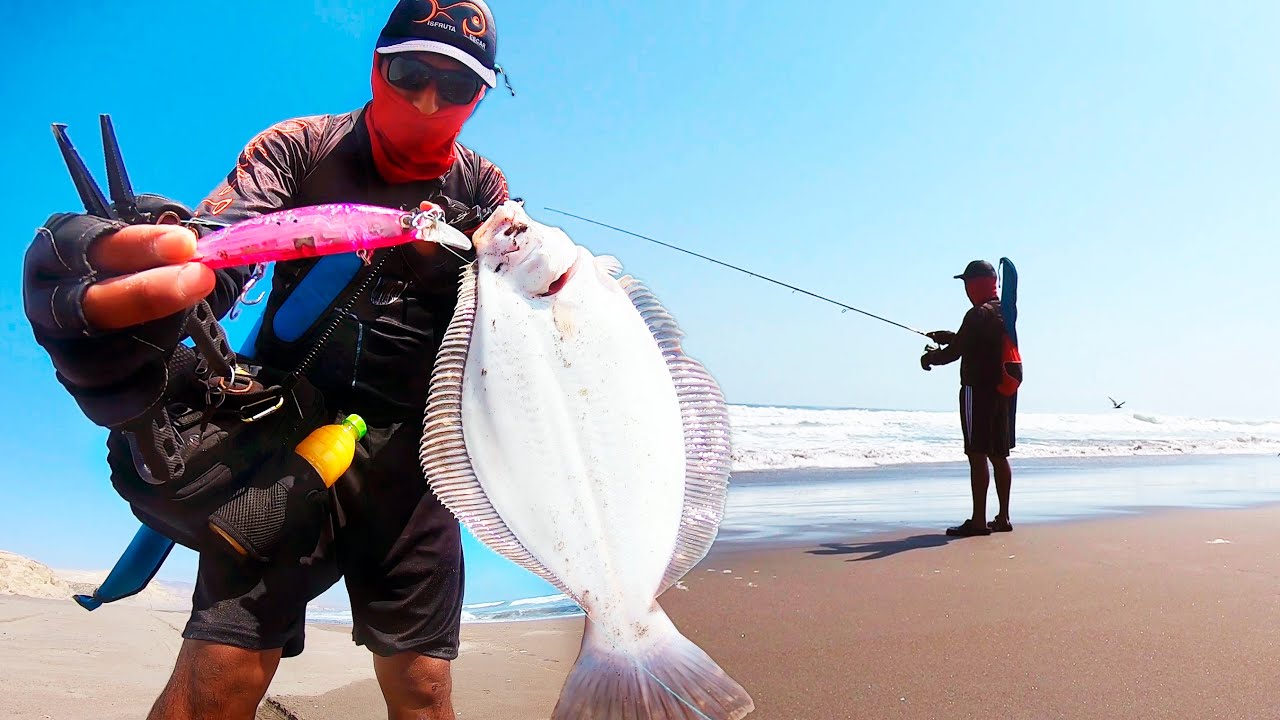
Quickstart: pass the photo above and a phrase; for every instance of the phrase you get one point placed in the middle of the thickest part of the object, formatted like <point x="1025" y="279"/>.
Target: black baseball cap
<point x="462" y="30"/>
<point x="976" y="269"/>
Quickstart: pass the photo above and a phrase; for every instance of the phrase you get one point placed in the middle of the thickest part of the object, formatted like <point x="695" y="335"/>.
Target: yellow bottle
<point x="330" y="449"/>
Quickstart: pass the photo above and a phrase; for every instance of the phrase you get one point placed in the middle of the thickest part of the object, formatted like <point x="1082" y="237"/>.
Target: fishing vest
<point x="398" y="297"/>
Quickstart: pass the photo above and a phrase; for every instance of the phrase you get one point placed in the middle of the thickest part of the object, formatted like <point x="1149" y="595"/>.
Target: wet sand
<point x="1138" y="617"/>
<point x="1173" y="614"/>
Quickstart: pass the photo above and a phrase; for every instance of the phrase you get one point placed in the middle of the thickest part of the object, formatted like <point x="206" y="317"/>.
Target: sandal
<point x="968" y="529"/>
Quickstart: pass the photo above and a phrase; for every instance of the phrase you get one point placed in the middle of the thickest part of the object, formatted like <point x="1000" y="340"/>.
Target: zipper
<point x="338" y="316"/>
<point x="355" y="364"/>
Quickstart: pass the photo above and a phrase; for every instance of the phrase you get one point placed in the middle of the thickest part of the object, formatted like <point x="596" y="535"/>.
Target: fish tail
<point x="673" y="679"/>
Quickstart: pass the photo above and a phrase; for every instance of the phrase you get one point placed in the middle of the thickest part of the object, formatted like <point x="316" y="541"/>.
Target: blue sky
<point x="1124" y="155"/>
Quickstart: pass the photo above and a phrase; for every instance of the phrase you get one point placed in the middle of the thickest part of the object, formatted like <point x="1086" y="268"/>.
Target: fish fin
<point x="673" y="680"/>
<point x="609" y="264"/>
<point x="708" y="452"/>
<point x="443" y="450"/>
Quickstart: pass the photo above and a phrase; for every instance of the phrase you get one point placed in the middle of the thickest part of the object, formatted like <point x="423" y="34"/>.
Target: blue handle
<point x="135" y="568"/>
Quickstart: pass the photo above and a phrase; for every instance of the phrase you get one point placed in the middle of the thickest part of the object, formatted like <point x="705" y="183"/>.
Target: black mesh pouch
<point x="213" y="467"/>
<point x="238" y="473"/>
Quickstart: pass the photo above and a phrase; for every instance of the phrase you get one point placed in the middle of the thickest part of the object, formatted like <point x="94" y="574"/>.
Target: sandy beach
<point x="1172" y="614"/>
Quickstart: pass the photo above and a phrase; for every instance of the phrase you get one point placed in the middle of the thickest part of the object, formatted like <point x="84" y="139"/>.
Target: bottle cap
<point x="357" y="423"/>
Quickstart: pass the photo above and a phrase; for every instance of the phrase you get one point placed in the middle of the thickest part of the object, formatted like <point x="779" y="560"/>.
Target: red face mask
<point x="408" y="145"/>
<point x="980" y="289"/>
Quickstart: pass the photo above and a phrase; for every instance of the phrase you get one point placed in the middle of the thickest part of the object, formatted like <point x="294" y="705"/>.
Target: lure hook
<point x="259" y="270"/>
<point x="430" y="225"/>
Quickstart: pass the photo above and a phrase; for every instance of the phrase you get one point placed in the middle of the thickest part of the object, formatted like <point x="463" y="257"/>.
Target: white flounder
<point x="570" y="433"/>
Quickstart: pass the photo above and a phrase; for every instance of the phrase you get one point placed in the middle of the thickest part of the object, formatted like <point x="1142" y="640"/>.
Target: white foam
<point x="769" y="438"/>
<point x="779" y="438"/>
<point x="544" y="600"/>
<point x="330" y="616"/>
<point x="538" y="608"/>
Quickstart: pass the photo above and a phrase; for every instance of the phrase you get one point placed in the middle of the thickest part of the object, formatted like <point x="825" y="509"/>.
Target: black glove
<point x="942" y="337"/>
<point x="113" y="376"/>
<point x="57" y="271"/>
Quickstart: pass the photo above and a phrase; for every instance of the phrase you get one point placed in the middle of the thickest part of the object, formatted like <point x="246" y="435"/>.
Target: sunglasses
<point x="456" y="87"/>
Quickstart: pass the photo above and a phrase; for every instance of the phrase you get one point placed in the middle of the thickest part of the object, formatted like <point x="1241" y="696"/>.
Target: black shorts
<point x="987" y="420"/>
<point x="398" y="548"/>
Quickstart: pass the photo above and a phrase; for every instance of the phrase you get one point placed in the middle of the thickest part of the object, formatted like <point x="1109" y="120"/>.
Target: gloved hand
<point x="86" y="275"/>
<point x="924" y="362"/>
<point x="942" y="337"/>
<point x="105" y="300"/>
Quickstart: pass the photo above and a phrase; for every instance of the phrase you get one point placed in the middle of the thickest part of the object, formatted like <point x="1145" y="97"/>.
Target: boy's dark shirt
<point x="978" y="345"/>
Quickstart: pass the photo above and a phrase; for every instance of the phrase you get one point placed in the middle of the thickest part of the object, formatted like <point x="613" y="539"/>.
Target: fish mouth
<point x="558" y="284"/>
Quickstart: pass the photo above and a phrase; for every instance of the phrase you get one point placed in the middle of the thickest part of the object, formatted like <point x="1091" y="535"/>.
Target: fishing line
<point x="455" y="253"/>
<point x="673" y="693"/>
<point x="837" y="303"/>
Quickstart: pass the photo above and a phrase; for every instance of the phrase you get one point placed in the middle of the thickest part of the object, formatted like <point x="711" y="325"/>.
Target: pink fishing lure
<point x="323" y="230"/>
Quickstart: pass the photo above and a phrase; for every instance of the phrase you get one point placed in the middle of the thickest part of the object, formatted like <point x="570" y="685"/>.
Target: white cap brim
<point x="489" y="77"/>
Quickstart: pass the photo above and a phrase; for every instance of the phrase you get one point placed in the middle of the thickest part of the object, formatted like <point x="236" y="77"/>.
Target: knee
<point x="224" y="667"/>
<point x="412" y="682"/>
<point x="216" y="681"/>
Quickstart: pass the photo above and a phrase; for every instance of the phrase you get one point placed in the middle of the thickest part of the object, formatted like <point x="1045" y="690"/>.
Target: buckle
<point x="242" y="381"/>
<point x="251" y="412"/>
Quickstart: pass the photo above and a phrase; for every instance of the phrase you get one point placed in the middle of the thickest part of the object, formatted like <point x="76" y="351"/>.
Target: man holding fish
<point x="397" y="546"/>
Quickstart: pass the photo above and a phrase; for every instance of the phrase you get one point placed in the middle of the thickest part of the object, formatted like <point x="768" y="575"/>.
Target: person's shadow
<point x="882" y="548"/>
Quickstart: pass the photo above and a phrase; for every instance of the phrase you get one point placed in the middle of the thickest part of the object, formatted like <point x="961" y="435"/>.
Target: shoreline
<point x="1140" y="613"/>
<point x="848" y="520"/>
<point x="1139" y="617"/>
<point x="730" y="551"/>
<point x="1071" y="461"/>
<point x="804" y="506"/>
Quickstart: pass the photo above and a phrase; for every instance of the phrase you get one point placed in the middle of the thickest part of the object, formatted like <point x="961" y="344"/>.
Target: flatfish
<point x="567" y="429"/>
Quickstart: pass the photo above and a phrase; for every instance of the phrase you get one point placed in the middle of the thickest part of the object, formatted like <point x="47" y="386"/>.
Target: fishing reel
<point x="928" y="348"/>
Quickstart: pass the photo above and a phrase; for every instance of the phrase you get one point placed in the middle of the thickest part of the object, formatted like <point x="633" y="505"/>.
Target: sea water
<point x="811" y="476"/>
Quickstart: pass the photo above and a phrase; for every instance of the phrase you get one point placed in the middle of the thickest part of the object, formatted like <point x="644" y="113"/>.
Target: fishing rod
<point x="823" y="298"/>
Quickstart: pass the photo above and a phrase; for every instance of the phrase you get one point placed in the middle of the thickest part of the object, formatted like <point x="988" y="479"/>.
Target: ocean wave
<point x="328" y="616"/>
<point x="779" y="438"/>
<point x="538" y="608"/>
<point x="776" y="438"/>
<point x="545" y="600"/>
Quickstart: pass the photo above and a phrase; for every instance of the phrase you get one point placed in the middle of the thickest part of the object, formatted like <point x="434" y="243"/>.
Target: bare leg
<point x="1004" y="484"/>
<point x="215" y="682"/>
<point x="415" y="686"/>
<point x="978" y="483"/>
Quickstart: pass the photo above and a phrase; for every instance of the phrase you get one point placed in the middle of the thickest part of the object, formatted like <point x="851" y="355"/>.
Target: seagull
<point x="1117" y="405"/>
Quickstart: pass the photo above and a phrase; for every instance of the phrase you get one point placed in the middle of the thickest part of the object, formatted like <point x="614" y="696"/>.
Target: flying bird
<point x="1117" y="405"/>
